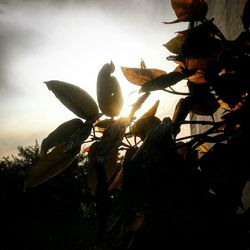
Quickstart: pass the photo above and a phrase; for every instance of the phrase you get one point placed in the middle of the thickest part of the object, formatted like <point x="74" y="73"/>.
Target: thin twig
<point x="197" y="122"/>
<point x="175" y="92"/>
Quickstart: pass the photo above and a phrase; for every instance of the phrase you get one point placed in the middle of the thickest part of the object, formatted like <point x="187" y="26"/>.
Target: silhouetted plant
<point x="163" y="193"/>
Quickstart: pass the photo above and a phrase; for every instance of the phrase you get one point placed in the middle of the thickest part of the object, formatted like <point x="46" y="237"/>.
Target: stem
<point x="197" y="122"/>
<point x="172" y="91"/>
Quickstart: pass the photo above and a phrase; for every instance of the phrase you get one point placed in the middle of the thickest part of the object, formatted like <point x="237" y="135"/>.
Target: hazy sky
<point x="70" y="41"/>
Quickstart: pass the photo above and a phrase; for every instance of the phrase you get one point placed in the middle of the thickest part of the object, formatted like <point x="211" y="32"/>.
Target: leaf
<point x="162" y="81"/>
<point x="137" y="105"/>
<point x="144" y="125"/>
<point x="152" y="111"/>
<point x="111" y="139"/>
<point x="155" y="143"/>
<point x="139" y="76"/>
<point x="61" y="134"/>
<point x="198" y="77"/>
<point x="136" y="222"/>
<point x="182" y="149"/>
<point x="143" y="65"/>
<point x="203" y="148"/>
<point x="175" y="44"/>
<point x="205" y="63"/>
<point x="190" y="10"/>
<point x="246" y="16"/>
<point x="117" y="182"/>
<point x="224" y="105"/>
<point x="104" y="124"/>
<point x="109" y="93"/>
<point x="172" y="22"/>
<point x="180" y="113"/>
<point x="73" y="145"/>
<point x="109" y="165"/>
<point x="200" y="41"/>
<point x="51" y="165"/>
<point x="229" y="87"/>
<point x="74" y="98"/>
<point x="206" y="106"/>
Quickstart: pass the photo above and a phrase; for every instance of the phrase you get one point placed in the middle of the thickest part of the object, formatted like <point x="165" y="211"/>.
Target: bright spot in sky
<point x="44" y="42"/>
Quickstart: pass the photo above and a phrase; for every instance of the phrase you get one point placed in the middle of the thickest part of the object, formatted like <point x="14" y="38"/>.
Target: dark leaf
<point x="102" y="199"/>
<point x="162" y="82"/>
<point x="117" y="182"/>
<point x="158" y="140"/>
<point x="51" y="165"/>
<point x="74" y="98"/>
<point x="180" y="113"/>
<point x="61" y="134"/>
<point x="246" y="16"/>
<point x="109" y="93"/>
<point x="143" y="126"/>
<point x="109" y="165"/>
<point x="73" y="145"/>
<point x="172" y="22"/>
<point x="206" y="106"/>
<point x="201" y="41"/>
<point x="104" y="124"/>
<point x="229" y="87"/>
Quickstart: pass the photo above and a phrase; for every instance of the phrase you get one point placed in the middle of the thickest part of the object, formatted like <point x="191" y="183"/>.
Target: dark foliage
<point x="165" y="193"/>
<point x="58" y="214"/>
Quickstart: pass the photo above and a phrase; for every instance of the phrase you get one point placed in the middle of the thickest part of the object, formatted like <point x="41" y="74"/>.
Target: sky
<point x="70" y="40"/>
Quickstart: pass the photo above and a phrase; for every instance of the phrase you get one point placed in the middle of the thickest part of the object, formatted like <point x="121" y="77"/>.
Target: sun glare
<point x="72" y="45"/>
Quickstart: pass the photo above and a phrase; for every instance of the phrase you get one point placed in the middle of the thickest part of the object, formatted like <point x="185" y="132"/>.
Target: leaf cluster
<point x="180" y="185"/>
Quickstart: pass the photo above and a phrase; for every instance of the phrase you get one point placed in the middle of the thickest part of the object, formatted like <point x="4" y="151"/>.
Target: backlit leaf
<point x="137" y="105"/>
<point x="74" y="98"/>
<point x="175" y="44"/>
<point x="139" y="76"/>
<point x="198" y="77"/>
<point x="143" y="65"/>
<point x="203" y="148"/>
<point x="61" y="134"/>
<point x="152" y="111"/>
<point x="162" y="81"/>
<point x="143" y="126"/>
<point x="103" y="124"/>
<point x="109" y="93"/>
<point x="51" y="165"/>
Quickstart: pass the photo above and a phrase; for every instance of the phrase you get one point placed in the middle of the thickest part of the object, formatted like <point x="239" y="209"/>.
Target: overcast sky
<point x="70" y="41"/>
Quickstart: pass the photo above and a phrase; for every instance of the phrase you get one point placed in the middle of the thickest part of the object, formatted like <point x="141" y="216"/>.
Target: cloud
<point x="68" y="40"/>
